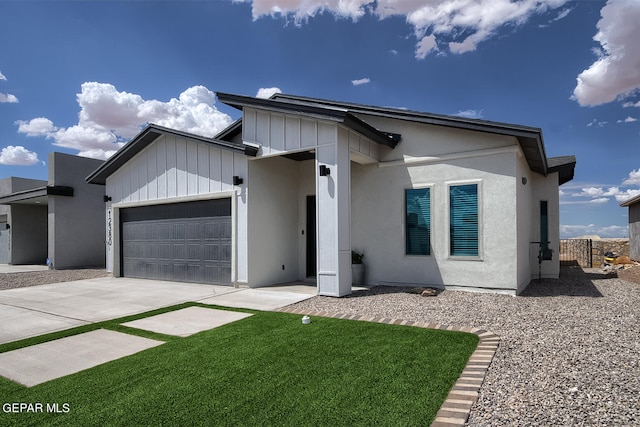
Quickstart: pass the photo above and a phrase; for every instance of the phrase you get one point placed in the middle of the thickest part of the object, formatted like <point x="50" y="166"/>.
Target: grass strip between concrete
<point x="266" y="369"/>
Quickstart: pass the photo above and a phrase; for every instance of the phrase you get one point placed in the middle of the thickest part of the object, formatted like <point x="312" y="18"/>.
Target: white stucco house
<point x="286" y="192"/>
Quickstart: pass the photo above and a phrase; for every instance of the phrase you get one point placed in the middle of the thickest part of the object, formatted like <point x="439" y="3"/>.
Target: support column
<point x="333" y="213"/>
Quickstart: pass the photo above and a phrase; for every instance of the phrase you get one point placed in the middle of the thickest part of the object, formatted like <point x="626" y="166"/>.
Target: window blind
<point x="418" y="221"/>
<point x="463" y="221"/>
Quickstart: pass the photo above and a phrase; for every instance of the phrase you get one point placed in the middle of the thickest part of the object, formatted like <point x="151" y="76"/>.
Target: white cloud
<point x="470" y="114"/>
<point x="631" y="104"/>
<point x="8" y="98"/>
<point x="633" y="178"/>
<point x="630" y="119"/>
<point x="267" y="92"/>
<point x="615" y="73"/>
<point x="607" y="231"/>
<point x="599" y="200"/>
<point x="425" y="46"/>
<point x="109" y="117"/>
<point x="595" y="122"/>
<point x="362" y="81"/>
<point x="599" y="195"/>
<point x="36" y="127"/>
<point x="462" y="24"/>
<point x="18" y="156"/>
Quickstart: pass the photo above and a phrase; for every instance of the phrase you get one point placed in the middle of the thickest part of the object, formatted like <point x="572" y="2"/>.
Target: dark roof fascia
<point x="529" y="138"/>
<point x="632" y="201"/>
<point x="20" y="196"/>
<point x="144" y="139"/>
<point x="231" y="131"/>
<point x="59" y="190"/>
<point x="313" y="111"/>
<point x="565" y="166"/>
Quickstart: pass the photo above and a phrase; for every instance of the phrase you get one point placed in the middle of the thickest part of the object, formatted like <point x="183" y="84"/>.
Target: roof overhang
<point x="630" y="202"/>
<point x="37" y="196"/>
<point x="340" y="115"/>
<point x="565" y="166"/>
<point x="529" y="138"/>
<point x="146" y="137"/>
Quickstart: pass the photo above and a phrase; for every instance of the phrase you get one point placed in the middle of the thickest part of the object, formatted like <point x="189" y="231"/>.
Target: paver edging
<point x="456" y="408"/>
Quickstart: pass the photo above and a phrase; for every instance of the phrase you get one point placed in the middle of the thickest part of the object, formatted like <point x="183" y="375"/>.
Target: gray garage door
<point x="185" y="242"/>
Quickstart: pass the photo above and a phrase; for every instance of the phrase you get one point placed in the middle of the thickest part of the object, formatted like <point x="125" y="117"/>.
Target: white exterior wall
<point x="273" y="221"/>
<point x="527" y="211"/>
<point x="378" y="207"/>
<point x="174" y="169"/>
<point x="280" y="134"/>
<point x="546" y="188"/>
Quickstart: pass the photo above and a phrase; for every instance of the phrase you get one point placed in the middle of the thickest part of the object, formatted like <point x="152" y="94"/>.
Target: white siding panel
<point x="203" y="168"/>
<point x="308" y="133"/>
<point x="172" y="167"/>
<point x="161" y="157"/>
<point x="249" y="125"/>
<point x="152" y="173"/>
<point x="192" y="168"/>
<point x="292" y="132"/>
<point x="277" y="132"/>
<point x="126" y="184"/>
<point x="181" y="167"/>
<point x="327" y="133"/>
<point x="215" y="170"/>
<point x="135" y="180"/>
<point x="227" y="170"/>
<point x="262" y="128"/>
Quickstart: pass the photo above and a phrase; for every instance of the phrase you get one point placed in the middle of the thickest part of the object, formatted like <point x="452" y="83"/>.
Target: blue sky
<point x="83" y="77"/>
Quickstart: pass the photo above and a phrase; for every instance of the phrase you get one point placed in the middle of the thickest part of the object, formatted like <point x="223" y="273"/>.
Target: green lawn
<point x="267" y="369"/>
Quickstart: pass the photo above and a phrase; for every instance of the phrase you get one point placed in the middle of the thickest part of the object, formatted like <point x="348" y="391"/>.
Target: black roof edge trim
<point x="59" y="190"/>
<point x="369" y="131"/>
<point x="565" y="166"/>
<point x="142" y="140"/>
<point x="250" y="150"/>
<point x="239" y="101"/>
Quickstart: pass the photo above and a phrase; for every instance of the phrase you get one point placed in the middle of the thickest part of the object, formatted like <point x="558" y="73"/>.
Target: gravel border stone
<point x="568" y="353"/>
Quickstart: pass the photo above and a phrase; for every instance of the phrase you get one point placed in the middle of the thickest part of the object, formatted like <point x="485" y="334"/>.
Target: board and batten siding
<point x="174" y="167"/>
<point x="280" y="134"/>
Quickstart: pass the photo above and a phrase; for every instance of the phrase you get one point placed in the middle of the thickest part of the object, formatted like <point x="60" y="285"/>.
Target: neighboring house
<point x="285" y="193"/>
<point x="61" y="219"/>
<point x="634" y="226"/>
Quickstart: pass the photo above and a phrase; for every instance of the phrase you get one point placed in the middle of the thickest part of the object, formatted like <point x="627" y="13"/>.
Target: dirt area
<point x="631" y="274"/>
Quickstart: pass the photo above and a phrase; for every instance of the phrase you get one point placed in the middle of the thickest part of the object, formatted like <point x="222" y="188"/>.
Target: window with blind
<point x="417" y="221"/>
<point x="463" y="220"/>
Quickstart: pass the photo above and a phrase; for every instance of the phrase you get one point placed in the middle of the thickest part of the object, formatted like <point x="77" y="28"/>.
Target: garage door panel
<point x="188" y="242"/>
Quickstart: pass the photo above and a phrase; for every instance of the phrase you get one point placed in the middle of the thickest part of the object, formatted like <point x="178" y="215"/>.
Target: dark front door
<point x="311" y="236"/>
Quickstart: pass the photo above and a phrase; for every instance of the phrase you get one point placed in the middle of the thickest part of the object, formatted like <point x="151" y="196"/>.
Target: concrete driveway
<point x="37" y="310"/>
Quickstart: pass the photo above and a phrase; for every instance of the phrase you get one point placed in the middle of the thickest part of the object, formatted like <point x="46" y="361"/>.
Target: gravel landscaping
<point x="569" y="350"/>
<point x="33" y="278"/>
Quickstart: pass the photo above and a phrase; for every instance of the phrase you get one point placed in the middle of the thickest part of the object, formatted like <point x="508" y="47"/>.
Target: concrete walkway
<point x="8" y="268"/>
<point x="37" y="310"/>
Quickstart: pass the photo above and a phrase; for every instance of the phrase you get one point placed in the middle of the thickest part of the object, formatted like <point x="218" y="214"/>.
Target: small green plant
<point x="356" y="257"/>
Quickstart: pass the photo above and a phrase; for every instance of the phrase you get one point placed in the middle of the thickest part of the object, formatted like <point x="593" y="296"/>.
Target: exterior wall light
<point x="524" y="180"/>
<point x="324" y="170"/>
<point x="237" y="180"/>
<point x="107" y="199"/>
